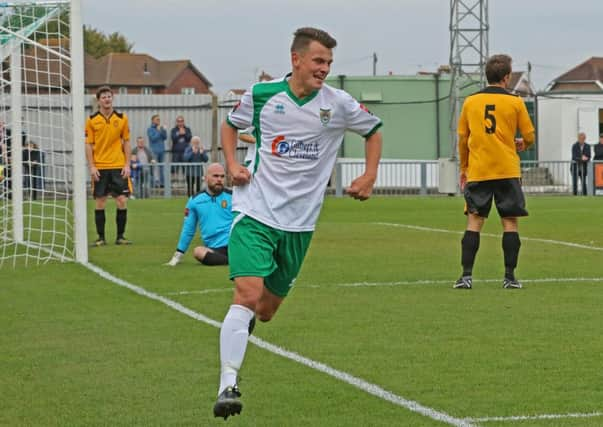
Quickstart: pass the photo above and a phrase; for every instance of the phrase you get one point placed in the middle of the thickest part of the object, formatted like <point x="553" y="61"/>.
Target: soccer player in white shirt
<point x="299" y="123"/>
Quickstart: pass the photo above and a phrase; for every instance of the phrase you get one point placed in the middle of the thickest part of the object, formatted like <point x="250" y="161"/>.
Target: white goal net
<point x="42" y="188"/>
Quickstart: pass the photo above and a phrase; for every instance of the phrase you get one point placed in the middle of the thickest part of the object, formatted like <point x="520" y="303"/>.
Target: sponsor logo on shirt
<point x="281" y="147"/>
<point x="325" y="116"/>
<point x="279" y="109"/>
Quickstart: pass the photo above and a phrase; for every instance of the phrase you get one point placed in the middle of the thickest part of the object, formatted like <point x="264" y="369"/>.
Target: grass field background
<point x="78" y="350"/>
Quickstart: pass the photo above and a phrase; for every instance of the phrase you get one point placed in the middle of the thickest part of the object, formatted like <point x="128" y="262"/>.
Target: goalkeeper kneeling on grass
<point x="211" y="209"/>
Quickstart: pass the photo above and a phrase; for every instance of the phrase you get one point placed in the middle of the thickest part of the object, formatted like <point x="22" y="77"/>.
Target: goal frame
<point x="17" y="92"/>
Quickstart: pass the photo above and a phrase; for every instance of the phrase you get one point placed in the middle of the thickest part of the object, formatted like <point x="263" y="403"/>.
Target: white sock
<point x="233" y="342"/>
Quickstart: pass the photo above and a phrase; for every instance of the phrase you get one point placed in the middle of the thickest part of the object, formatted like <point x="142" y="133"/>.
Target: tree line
<point x="96" y="42"/>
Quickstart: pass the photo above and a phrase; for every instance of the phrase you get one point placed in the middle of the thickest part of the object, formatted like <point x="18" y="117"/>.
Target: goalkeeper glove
<point x="175" y="259"/>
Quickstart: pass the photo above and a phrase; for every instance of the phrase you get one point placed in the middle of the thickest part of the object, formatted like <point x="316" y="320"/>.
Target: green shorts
<point x="257" y="250"/>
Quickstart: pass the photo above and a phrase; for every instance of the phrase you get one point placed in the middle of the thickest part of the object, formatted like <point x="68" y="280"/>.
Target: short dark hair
<point x="303" y="36"/>
<point x="103" y="89"/>
<point x="497" y="67"/>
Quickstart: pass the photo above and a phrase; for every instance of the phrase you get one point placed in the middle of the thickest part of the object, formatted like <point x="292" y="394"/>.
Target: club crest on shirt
<point x="224" y="204"/>
<point x="325" y="116"/>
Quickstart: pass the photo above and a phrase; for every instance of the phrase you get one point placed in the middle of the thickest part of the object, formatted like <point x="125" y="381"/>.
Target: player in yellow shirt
<point x="490" y="166"/>
<point x="108" y="153"/>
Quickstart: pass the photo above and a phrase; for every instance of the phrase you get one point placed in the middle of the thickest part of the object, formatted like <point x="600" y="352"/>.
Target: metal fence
<point x="179" y="179"/>
<point x="546" y="177"/>
<point x="561" y="177"/>
<point x="422" y="177"/>
<point x="45" y="119"/>
<point x="395" y="177"/>
<point x="201" y="113"/>
<point x="204" y="113"/>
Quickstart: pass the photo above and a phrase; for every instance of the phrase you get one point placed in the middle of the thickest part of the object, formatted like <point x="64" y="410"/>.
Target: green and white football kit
<point x="264" y="251"/>
<point x="250" y="155"/>
<point x="296" y="147"/>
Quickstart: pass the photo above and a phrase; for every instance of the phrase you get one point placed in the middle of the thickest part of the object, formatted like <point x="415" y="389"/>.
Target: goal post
<point x="79" y="149"/>
<point x="43" y="179"/>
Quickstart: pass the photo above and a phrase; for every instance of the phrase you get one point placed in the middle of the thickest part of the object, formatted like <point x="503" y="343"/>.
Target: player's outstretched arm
<point x="362" y="187"/>
<point x="240" y="174"/>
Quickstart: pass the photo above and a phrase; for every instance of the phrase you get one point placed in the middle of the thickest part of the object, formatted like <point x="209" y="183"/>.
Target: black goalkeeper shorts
<point x="507" y="193"/>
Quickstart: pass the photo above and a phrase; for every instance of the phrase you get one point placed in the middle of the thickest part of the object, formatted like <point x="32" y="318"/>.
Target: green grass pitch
<point x="78" y="350"/>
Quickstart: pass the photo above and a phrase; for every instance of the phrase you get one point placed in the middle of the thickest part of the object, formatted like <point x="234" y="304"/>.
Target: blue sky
<point x="232" y="41"/>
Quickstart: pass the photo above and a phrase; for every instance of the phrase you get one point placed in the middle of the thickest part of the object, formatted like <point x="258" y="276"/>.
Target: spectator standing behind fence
<point x="181" y="137"/>
<point x="195" y="154"/>
<point x="157" y="135"/>
<point x="5" y="158"/>
<point x="145" y="159"/>
<point x="134" y="173"/>
<point x="4" y="141"/>
<point x="580" y="157"/>
<point x="599" y="149"/>
<point x="33" y="159"/>
<point x="6" y="153"/>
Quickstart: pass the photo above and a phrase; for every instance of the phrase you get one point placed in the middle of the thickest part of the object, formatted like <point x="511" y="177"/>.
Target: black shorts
<point x="218" y="256"/>
<point x="111" y="182"/>
<point x="507" y="193"/>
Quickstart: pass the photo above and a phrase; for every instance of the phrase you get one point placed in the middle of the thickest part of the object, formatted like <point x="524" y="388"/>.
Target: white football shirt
<point x="297" y="142"/>
<point x="251" y="149"/>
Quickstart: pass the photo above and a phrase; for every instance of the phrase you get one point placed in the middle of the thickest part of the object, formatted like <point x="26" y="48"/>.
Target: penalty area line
<point x="356" y="382"/>
<point x="530" y="239"/>
<point x="398" y="283"/>
<point x="535" y="417"/>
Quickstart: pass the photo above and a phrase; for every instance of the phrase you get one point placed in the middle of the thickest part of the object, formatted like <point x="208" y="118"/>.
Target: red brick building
<point x="139" y="73"/>
<point x="586" y="77"/>
<point x="520" y="84"/>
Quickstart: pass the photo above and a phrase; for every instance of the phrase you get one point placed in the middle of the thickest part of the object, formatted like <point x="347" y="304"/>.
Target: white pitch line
<point x="363" y="385"/>
<point x="400" y="283"/>
<point x="439" y="282"/>
<point x="359" y="383"/>
<point x="535" y="417"/>
<point x="533" y="239"/>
